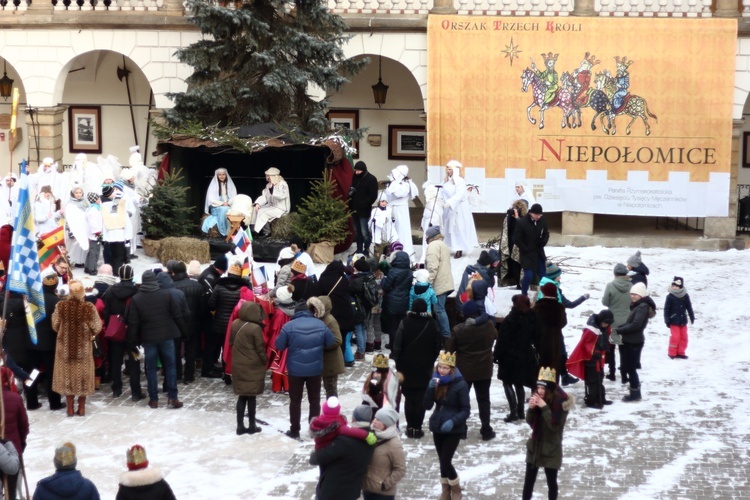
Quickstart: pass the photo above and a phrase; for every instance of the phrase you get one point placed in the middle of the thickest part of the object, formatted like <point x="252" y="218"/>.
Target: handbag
<point x="117" y="327"/>
<point x="97" y="348"/>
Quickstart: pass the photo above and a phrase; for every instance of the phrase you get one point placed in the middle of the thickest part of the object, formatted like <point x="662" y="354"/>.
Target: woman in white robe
<point x="399" y="192"/>
<point x="523" y="193"/>
<point x="76" y="227"/>
<point x="458" y="223"/>
<point x="46" y="215"/>
<point x="219" y="197"/>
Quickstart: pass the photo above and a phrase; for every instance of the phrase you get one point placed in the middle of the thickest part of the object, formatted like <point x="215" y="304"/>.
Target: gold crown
<point x="136" y="457"/>
<point x="591" y="59"/>
<point x="549" y="56"/>
<point x="547" y="375"/>
<point x="235" y="269"/>
<point x="624" y="61"/>
<point x="380" y="361"/>
<point x="299" y="267"/>
<point x="447" y="358"/>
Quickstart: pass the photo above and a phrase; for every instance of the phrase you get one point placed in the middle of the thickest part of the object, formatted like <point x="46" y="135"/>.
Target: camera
<point x="352" y="190"/>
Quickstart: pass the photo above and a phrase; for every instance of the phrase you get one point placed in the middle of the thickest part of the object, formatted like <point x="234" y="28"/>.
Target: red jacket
<point x="16" y="420"/>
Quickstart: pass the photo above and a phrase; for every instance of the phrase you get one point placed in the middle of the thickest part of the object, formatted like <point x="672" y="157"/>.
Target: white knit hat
<point x="284" y="294"/>
<point x="639" y="289"/>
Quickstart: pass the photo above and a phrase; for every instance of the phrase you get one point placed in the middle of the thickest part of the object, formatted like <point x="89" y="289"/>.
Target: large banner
<point x="613" y="116"/>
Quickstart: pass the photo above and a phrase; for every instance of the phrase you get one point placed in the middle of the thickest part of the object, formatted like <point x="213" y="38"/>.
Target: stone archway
<point x="9" y="160"/>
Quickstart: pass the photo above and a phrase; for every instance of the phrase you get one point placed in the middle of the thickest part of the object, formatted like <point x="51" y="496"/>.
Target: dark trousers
<point x="528" y="274"/>
<point x="12" y="486"/>
<point x="47" y="359"/>
<point x="528" y="483"/>
<point x="362" y="237"/>
<point x="92" y="257"/>
<point x="116" y="355"/>
<point x="31" y="391"/>
<point x="377" y="496"/>
<point x="630" y="360"/>
<point x="190" y="347"/>
<point x="211" y="351"/>
<point x="609" y="357"/>
<point x="414" y="407"/>
<point x="446" y="446"/>
<point x="482" y="393"/>
<point x="594" y="386"/>
<point x="116" y="255"/>
<point x="296" y="385"/>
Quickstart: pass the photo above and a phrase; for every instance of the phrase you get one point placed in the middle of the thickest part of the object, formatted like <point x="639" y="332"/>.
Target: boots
<point x="624" y="377"/>
<point x="70" y="405"/>
<point x="252" y="428"/>
<point x="635" y="395"/>
<point x="241" y="429"/>
<point x="446" y="493"/>
<point x="510" y="395"/>
<point x="456" y="493"/>
<point x="81" y="406"/>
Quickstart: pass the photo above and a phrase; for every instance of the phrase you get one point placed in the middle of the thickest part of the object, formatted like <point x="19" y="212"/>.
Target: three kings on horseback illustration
<point x="608" y="98"/>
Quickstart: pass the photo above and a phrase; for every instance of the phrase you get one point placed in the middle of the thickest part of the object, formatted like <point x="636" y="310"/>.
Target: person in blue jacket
<point x="305" y="337"/>
<point x="67" y="482"/>
<point x="448" y="392"/>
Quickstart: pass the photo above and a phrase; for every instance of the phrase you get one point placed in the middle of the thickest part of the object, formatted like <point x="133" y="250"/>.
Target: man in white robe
<point x="458" y="223"/>
<point x="400" y="192"/>
<point x="273" y="203"/>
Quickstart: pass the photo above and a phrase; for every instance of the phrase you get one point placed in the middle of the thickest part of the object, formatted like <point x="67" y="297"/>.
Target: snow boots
<point x="81" y="406"/>
<point x="69" y="400"/>
<point x="635" y="395"/>
<point x="510" y="395"/>
<point x="250" y="402"/>
<point x="446" y="493"/>
<point x="455" y="487"/>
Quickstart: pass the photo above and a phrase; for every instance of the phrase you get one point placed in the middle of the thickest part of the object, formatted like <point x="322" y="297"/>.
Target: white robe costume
<point x="458" y="223"/>
<point x="272" y="204"/>
<point x="216" y="195"/>
<point x="47" y="175"/>
<point x="45" y="216"/>
<point x="382" y="226"/>
<point x="527" y="195"/>
<point x="399" y="192"/>
<point x="8" y="202"/>
<point x="76" y="230"/>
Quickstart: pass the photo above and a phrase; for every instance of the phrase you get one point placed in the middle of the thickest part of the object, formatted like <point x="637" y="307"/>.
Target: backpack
<point x="370" y="292"/>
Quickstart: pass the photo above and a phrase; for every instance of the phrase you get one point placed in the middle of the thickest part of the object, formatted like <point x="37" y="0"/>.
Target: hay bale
<point x="183" y="249"/>
<point x="283" y="227"/>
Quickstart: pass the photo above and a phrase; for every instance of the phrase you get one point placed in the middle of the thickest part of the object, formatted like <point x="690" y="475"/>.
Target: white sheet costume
<point x="46" y="216"/>
<point x="458" y="223"/>
<point x="525" y="194"/>
<point x="382" y="226"/>
<point x="76" y="227"/>
<point x="47" y="175"/>
<point x="399" y="192"/>
<point x="219" y="197"/>
<point x="274" y="202"/>
<point x="8" y="200"/>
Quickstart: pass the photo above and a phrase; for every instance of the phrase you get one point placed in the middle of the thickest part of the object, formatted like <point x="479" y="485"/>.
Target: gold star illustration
<point x="511" y="51"/>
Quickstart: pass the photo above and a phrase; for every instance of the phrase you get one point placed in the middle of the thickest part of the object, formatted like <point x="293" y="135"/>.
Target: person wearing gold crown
<point x="548" y="411"/>
<point x="140" y="481"/>
<point x="382" y="386"/>
<point x="622" y="80"/>
<point x="449" y="394"/>
<point x="549" y="76"/>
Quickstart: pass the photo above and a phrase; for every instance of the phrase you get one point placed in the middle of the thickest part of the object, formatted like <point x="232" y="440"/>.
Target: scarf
<point x="386" y="434"/>
<point x="556" y="406"/>
<point x="106" y="279"/>
<point x="679" y="293"/>
<point x="447" y="379"/>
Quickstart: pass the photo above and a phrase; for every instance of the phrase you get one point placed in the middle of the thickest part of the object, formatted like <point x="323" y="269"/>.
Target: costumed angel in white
<point x="76" y="227"/>
<point x="458" y="223"/>
<point x="8" y="199"/>
<point x="46" y="215"/>
<point x="399" y="193"/>
<point x="382" y="225"/>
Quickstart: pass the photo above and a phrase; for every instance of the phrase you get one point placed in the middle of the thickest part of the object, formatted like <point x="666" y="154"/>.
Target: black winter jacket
<point x="640" y="312"/>
<point x="116" y="297"/>
<point x="193" y="293"/>
<point x="153" y="317"/>
<point x="515" y="349"/>
<point x="396" y="285"/>
<point x="364" y="193"/>
<point x="16" y="340"/>
<point x="640" y="276"/>
<point x="335" y="285"/>
<point x="343" y="465"/>
<point x="454" y="406"/>
<point x="225" y="296"/>
<point x="357" y="288"/>
<point x="676" y="310"/>
<point x="531" y="237"/>
<point x="45" y="335"/>
<point x="417" y="345"/>
<point x="208" y="279"/>
<point x="473" y="345"/>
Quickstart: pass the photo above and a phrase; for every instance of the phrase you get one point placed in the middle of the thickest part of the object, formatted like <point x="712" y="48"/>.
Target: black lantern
<point x="380" y="89"/>
<point x="6" y="84"/>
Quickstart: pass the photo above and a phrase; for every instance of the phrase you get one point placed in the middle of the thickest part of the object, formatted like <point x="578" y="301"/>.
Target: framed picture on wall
<point x="345" y="118"/>
<point x="85" y="129"/>
<point x="746" y="158"/>
<point x="407" y="142"/>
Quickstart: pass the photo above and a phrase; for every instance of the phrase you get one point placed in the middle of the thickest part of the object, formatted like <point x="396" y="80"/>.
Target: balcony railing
<point x="89" y="5"/>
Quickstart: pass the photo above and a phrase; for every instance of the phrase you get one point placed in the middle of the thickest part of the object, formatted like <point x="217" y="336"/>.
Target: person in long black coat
<point x="193" y="292"/>
<point x="43" y="352"/>
<point x="396" y="286"/>
<point x="552" y="319"/>
<point x="516" y="355"/>
<point x="334" y="283"/>
<point x="531" y="236"/>
<point x="417" y="344"/>
<point x="17" y="342"/>
<point x="362" y="195"/>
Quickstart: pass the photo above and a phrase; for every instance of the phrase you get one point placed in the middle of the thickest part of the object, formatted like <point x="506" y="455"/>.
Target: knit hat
<point x="316" y="306"/>
<point x="536" y="208"/>
<point x="635" y="259"/>
<point x="484" y="259"/>
<point x="179" y="267"/>
<point x="362" y="265"/>
<point x="553" y="271"/>
<point x="92" y="197"/>
<point x="221" y="263"/>
<point x="107" y="191"/>
<point x="332" y="407"/>
<point x="620" y="270"/>
<point x="362" y="413"/>
<point x="678" y="282"/>
<point x="194" y="268"/>
<point x="299" y="267"/>
<point x="388" y="416"/>
<point x="396" y="246"/>
<point x="605" y="316"/>
<point x="470" y="309"/>
<point x="549" y="291"/>
<point x="235" y="269"/>
<point x="419" y="306"/>
<point x="136" y="457"/>
<point x="360" y="165"/>
<point x="422" y="275"/>
<point x="76" y="289"/>
<point x="431" y="232"/>
<point x="119" y="185"/>
<point x="170" y="265"/>
<point x="125" y="272"/>
<point x="65" y="457"/>
<point x="286" y="253"/>
<point x="639" y="289"/>
<point x="284" y="294"/>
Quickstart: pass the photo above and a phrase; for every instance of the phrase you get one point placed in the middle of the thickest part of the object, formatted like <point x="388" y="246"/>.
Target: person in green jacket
<point x="548" y="411"/>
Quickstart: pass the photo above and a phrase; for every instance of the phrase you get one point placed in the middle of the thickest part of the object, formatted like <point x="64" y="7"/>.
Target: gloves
<point x="447" y="426"/>
<point x="433" y="383"/>
<point x="371" y="439"/>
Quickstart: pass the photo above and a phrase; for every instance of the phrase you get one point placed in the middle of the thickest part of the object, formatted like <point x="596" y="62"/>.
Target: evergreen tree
<point x="255" y="62"/>
<point x="322" y="216"/>
<point x="167" y="213"/>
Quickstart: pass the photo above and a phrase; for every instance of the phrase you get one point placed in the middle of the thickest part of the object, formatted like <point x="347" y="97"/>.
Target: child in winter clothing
<point x="616" y="298"/>
<point x="677" y="309"/>
<point x="363" y="310"/>
<point x="587" y="359"/>
<point x="382" y="224"/>
<point x="637" y="270"/>
<point x="94" y="219"/>
<point x="330" y="423"/>
<point x="422" y="289"/>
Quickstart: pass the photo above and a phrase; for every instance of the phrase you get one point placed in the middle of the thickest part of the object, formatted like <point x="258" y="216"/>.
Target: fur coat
<point x="76" y="323"/>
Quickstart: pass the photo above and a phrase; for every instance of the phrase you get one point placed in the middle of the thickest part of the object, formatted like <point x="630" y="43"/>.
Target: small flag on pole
<point x="49" y="251"/>
<point x="242" y="241"/>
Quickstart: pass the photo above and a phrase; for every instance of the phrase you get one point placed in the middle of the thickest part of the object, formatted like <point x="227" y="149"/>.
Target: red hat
<point x="136" y="457"/>
<point x="332" y="407"/>
<point x="549" y="291"/>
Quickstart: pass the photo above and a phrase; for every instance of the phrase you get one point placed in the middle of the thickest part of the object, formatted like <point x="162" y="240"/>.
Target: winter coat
<point x="225" y="296"/>
<point x="248" y="351"/>
<point x="396" y="285"/>
<point x="515" y="350"/>
<point x="639" y="274"/>
<point x="193" y="292"/>
<point x="387" y="467"/>
<point x="16" y="420"/>
<point x="425" y="292"/>
<point x="152" y="317"/>
<point x="545" y="449"/>
<point x="531" y="237"/>
<point x="416" y="346"/>
<point x="208" y="279"/>
<point x="561" y="298"/>
<point x="166" y="283"/>
<point x="552" y="320"/>
<point x="334" y="284"/>
<point x="16" y="340"/>
<point x="306" y="337"/>
<point x="357" y="288"/>
<point x="473" y="344"/>
<point x="364" y="192"/>
<point x="333" y="357"/>
<point x="343" y="465"/>
<point x="10" y="462"/>
<point x="640" y="312"/>
<point x="678" y="309"/>
<point x="116" y="298"/>
<point x="46" y="338"/>
<point x="617" y="298"/>
<point x="144" y="484"/>
<point x="76" y="323"/>
<point x="483" y="271"/>
<point x="66" y="485"/>
<point x="6" y="238"/>
<point x="438" y="264"/>
<point x="283" y="278"/>
<point x="454" y="406"/>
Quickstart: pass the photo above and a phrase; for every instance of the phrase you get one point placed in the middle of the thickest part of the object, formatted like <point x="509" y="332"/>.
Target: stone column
<point x="726" y="227"/>
<point x="577" y="223"/>
<point x="582" y="8"/>
<point x="443" y="7"/>
<point x="727" y="8"/>
<point x="173" y="7"/>
<point x="45" y="129"/>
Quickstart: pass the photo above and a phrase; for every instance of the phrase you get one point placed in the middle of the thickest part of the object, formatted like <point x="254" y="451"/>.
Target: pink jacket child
<point x="325" y="427"/>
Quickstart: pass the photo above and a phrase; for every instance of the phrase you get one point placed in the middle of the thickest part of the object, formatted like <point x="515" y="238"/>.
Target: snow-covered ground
<point x="688" y="438"/>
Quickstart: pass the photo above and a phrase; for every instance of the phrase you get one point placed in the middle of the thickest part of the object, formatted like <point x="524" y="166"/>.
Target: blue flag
<point x="24" y="276"/>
